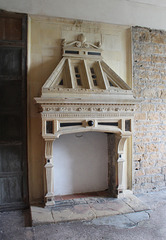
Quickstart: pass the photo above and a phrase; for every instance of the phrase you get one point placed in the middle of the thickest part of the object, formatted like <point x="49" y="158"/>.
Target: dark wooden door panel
<point x="13" y="145"/>
<point x="11" y="94"/>
<point x="11" y="128"/>
<point x="11" y="190"/>
<point x="11" y="28"/>
<point x="10" y="156"/>
<point x="11" y="61"/>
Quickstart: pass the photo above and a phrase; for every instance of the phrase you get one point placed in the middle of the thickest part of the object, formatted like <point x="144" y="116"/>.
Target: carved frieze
<point x="87" y="108"/>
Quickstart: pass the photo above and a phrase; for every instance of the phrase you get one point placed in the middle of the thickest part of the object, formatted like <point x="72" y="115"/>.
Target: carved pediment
<point x="83" y="73"/>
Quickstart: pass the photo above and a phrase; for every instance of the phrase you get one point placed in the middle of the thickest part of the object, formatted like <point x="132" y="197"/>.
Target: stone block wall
<point x="149" y="84"/>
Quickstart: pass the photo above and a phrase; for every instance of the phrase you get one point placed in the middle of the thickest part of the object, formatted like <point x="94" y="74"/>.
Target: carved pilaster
<point x="49" y="172"/>
<point x="121" y="161"/>
<point x="116" y="163"/>
<point x="120" y="166"/>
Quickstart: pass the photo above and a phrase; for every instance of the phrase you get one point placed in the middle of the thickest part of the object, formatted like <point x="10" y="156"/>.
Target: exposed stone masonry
<point x="149" y="84"/>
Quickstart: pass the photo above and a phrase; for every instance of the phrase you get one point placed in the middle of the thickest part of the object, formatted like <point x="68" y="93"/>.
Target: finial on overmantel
<point x="81" y="43"/>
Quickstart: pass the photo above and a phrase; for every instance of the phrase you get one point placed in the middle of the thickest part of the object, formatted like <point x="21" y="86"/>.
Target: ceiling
<point x="159" y="3"/>
<point x="146" y="13"/>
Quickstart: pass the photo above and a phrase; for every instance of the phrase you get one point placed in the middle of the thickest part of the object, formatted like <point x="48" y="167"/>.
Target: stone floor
<point x="86" y="207"/>
<point x="137" y="225"/>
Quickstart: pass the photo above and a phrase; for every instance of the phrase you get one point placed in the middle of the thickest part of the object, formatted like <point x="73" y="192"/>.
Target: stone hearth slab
<point x="86" y="209"/>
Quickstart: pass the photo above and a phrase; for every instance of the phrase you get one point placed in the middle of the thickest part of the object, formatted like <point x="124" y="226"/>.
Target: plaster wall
<point x="44" y="53"/>
<point x="147" y="13"/>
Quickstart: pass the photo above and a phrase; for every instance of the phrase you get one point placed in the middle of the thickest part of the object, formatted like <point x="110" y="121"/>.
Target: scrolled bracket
<point x="122" y="139"/>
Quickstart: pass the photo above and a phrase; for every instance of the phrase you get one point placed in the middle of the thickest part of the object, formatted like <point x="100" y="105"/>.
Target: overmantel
<point x="84" y="94"/>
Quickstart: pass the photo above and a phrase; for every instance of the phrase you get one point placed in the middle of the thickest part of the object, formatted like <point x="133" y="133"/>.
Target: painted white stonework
<point x="81" y="161"/>
<point x="146" y="13"/>
<point x="84" y="94"/>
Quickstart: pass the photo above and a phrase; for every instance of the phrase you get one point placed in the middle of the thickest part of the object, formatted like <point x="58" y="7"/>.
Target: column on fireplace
<point x="49" y="171"/>
<point x="116" y="162"/>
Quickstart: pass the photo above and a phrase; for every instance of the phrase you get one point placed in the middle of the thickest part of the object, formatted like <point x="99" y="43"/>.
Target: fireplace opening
<point x="80" y="163"/>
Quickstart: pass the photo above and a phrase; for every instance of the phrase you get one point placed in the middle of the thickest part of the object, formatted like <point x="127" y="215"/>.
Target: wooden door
<point x="13" y="130"/>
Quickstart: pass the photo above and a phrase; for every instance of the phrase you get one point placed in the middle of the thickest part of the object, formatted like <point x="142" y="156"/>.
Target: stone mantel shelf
<point x="107" y="100"/>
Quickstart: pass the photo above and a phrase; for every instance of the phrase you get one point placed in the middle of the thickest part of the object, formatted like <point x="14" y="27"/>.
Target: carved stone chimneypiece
<point x="84" y="94"/>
